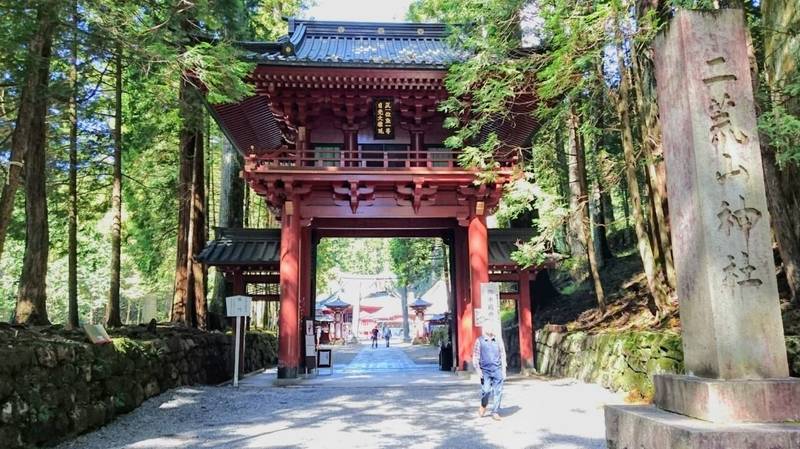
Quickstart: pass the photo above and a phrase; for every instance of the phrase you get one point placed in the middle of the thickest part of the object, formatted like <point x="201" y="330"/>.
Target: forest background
<point x="114" y="174"/>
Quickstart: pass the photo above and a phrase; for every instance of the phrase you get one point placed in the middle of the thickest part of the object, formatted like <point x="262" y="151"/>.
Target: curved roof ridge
<point x="370" y="29"/>
<point x="359" y="44"/>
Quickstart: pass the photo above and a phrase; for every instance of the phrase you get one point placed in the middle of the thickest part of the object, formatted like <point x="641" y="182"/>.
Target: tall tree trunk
<point x="783" y="183"/>
<point x="608" y="207"/>
<point x="577" y="149"/>
<point x="34" y="91"/>
<point x="113" y="307"/>
<point x="180" y="300"/>
<point x="198" y="235"/>
<point x="654" y="284"/>
<point x="72" y="223"/>
<point x="32" y="296"/>
<point x="189" y="299"/>
<point x="650" y="130"/>
<point x="600" y="227"/>
<point x="575" y="223"/>
<point x="626" y="212"/>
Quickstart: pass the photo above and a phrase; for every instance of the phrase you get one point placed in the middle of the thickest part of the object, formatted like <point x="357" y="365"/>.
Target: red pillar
<point x="525" y="322"/>
<point x="463" y="306"/>
<point x="288" y="323"/>
<point x="478" y="244"/>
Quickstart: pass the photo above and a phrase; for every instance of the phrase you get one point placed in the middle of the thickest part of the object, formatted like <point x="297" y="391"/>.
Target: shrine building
<point x="343" y="138"/>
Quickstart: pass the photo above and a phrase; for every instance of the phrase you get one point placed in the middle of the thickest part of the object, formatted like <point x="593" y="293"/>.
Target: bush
<point x="439" y="335"/>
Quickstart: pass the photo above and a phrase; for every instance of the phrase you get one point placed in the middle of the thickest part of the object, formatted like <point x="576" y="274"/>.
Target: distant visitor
<point x="387" y="335"/>
<point x="375" y="336"/>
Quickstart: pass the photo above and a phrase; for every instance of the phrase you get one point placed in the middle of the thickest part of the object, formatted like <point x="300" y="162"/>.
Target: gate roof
<point x="261" y="247"/>
<point x="358" y="44"/>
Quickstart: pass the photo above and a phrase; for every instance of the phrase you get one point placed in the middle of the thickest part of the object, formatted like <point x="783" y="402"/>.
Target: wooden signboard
<point x="310" y="345"/>
<point x="324" y="358"/>
<point x="383" y="118"/>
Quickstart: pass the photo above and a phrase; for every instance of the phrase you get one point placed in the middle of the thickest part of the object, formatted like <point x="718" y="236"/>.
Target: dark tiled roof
<point x="337" y="304"/>
<point x="262" y="246"/>
<point x="503" y="242"/>
<point x="420" y="303"/>
<point x="249" y="123"/>
<point x="235" y="246"/>
<point x="314" y="43"/>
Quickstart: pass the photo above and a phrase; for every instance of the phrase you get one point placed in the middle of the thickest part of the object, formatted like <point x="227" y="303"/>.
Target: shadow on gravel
<point x="508" y="411"/>
<point x="548" y="440"/>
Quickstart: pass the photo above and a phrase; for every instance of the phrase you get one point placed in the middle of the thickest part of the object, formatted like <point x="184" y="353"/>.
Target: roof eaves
<point x="365" y="65"/>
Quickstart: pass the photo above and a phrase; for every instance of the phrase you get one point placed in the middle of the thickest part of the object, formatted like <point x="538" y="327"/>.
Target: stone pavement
<point x="381" y="399"/>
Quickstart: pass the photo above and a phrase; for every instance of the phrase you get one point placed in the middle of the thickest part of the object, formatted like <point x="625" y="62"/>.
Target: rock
<point x="65" y="353"/>
<point x="151" y="389"/>
<point x="79" y="418"/>
<point x="7" y="413"/>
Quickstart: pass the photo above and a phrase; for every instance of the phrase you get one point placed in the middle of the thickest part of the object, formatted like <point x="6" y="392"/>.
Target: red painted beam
<point x="421" y="223"/>
<point x="365" y="211"/>
<point x="383" y="233"/>
<point x="505" y="277"/>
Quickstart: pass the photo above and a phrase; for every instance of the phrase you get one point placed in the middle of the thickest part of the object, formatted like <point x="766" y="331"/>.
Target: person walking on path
<point x="387" y="334"/>
<point x="489" y="358"/>
<point x="375" y="336"/>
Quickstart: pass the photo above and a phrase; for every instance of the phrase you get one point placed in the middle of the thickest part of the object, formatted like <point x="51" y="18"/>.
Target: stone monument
<point x="734" y="347"/>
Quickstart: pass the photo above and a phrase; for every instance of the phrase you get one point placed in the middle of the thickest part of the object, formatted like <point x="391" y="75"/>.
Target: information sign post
<point x="489" y="313"/>
<point x="238" y="307"/>
<point x="310" y="346"/>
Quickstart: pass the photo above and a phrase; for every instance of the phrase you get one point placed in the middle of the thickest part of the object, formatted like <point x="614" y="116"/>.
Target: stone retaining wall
<point x="54" y="386"/>
<point x="623" y="361"/>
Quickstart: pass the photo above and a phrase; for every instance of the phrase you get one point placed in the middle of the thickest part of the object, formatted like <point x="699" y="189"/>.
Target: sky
<point x="359" y="10"/>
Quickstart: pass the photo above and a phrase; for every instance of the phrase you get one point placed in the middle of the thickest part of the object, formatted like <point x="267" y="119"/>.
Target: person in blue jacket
<point x="489" y="358"/>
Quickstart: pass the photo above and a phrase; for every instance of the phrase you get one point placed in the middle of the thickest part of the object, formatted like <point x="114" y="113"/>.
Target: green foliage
<point x="780" y="123"/>
<point x="483" y="86"/>
<point x="508" y="316"/>
<point x="439" y="336"/>
<point x="416" y="261"/>
<point x="163" y="42"/>
<point x="336" y="256"/>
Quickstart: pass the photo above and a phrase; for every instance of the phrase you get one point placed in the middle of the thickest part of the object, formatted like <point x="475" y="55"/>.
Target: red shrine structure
<point x="343" y="138"/>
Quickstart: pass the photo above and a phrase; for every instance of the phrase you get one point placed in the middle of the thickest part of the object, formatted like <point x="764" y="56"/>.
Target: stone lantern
<point x="338" y="307"/>
<point x="419" y="307"/>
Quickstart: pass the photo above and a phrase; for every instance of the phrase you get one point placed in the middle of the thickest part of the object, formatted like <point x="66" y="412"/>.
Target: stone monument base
<point x="729" y="401"/>
<point x="647" y="427"/>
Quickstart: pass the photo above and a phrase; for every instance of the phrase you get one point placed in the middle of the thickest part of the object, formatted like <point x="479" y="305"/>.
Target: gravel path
<point x="420" y="408"/>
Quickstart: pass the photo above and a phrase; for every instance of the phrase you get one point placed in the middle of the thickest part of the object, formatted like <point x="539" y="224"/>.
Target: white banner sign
<point x="489" y="312"/>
